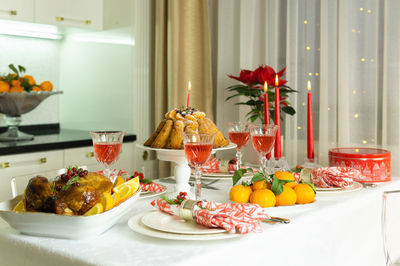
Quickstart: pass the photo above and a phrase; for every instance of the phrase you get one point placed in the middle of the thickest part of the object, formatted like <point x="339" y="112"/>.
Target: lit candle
<point x="278" y="144"/>
<point x="310" y="130"/>
<point x="266" y="111"/>
<point x="188" y="96"/>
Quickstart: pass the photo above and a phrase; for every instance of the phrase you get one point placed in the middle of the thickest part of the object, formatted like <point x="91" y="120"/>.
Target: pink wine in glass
<point x="263" y="143"/>
<point x="240" y="138"/>
<point x="107" y="153"/>
<point x="198" y="153"/>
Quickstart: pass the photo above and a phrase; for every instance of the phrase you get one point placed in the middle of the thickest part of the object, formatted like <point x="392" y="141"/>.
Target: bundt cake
<point x="168" y="134"/>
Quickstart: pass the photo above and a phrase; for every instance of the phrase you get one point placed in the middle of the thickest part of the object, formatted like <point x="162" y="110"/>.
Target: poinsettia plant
<point x="252" y="87"/>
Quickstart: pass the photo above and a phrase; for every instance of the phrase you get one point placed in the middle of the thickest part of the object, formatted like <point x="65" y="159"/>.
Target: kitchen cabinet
<point x="21" y="10"/>
<point x="90" y="14"/>
<point x="47" y="163"/>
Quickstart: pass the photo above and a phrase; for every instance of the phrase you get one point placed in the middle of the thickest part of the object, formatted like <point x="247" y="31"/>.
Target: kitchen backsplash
<point x="41" y="59"/>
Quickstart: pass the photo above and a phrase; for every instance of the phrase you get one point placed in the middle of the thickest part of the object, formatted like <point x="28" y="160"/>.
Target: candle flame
<point x="265" y="86"/>
<point x="276" y="80"/>
<point x="189" y="85"/>
<point x="309" y="85"/>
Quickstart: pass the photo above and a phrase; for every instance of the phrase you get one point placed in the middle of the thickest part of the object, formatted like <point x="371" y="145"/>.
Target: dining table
<point x="339" y="228"/>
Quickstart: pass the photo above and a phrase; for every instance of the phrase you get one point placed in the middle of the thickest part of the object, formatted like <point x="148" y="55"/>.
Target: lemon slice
<point x="96" y="209"/>
<point x="134" y="182"/>
<point x="116" y="198"/>
<point x="20" y="207"/>
<point x="118" y="181"/>
<point x="124" y="191"/>
<point x="107" y="201"/>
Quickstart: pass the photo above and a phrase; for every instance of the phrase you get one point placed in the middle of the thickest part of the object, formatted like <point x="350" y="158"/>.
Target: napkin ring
<point x="186" y="209"/>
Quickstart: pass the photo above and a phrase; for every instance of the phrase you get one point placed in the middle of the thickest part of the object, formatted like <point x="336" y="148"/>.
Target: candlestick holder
<point x="310" y="163"/>
<point x="277" y="164"/>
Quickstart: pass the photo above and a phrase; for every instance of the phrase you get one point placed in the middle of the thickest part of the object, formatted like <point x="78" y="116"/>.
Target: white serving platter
<point x="64" y="226"/>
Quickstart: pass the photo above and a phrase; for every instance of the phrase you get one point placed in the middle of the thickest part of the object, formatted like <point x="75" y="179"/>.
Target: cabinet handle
<point x="10" y="12"/>
<point x="4" y="165"/>
<point x="90" y="154"/>
<point x="84" y="21"/>
<point x="43" y="160"/>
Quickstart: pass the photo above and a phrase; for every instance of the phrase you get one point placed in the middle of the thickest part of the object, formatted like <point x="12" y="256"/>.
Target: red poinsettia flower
<point x="245" y="76"/>
<point x="267" y="73"/>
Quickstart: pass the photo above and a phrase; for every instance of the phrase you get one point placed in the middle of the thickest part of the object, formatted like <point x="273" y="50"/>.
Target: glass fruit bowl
<point x="13" y="105"/>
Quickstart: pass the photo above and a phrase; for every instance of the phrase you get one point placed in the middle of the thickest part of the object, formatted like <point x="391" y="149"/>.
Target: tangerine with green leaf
<point x="284" y="175"/>
<point x="305" y="193"/>
<point x="240" y="193"/>
<point x="287" y="197"/>
<point x="261" y="184"/>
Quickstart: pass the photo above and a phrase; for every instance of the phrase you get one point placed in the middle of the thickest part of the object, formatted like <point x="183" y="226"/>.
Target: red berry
<point x="81" y="174"/>
<point x="77" y="184"/>
<point x="58" y="187"/>
<point x="85" y="172"/>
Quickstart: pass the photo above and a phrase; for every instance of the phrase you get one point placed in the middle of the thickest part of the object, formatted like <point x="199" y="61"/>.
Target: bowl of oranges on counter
<point x="21" y="93"/>
<point x="278" y="189"/>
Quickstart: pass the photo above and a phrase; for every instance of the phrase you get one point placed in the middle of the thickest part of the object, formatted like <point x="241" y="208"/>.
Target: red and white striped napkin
<point x="242" y="218"/>
<point x="334" y="177"/>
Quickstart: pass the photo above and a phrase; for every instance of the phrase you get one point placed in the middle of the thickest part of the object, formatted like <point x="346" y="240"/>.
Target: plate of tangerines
<point x="278" y="189"/>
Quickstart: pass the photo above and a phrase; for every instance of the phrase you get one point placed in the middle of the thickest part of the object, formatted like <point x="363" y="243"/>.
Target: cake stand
<point x="182" y="169"/>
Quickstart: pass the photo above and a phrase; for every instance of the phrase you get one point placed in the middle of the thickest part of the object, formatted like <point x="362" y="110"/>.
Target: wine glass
<point x="239" y="134"/>
<point x="198" y="148"/>
<point x="107" y="147"/>
<point x="263" y="139"/>
<point x="390" y="227"/>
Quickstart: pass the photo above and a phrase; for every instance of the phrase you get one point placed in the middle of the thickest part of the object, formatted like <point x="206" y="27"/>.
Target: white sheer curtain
<point x="349" y="50"/>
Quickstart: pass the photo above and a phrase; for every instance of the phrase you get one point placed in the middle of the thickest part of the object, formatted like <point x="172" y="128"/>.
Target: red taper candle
<point x="278" y="144"/>
<point x="266" y="111"/>
<point x="310" y="128"/>
<point x="188" y="96"/>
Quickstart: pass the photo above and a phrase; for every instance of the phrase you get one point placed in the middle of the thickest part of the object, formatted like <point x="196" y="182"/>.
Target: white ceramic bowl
<point x="64" y="226"/>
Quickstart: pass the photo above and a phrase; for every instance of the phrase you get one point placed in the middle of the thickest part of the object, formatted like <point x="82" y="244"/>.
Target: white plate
<point x="149" y="194"/>
<point x="356" y="186"/>
<point x="64" y="226"/>
<point x="173" y="224"/>
<point x="137" y="226"/>
<point x="327" y="188"/>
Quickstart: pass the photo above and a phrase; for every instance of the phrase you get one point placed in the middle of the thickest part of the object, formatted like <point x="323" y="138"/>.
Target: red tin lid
<point x="359" y="153"/>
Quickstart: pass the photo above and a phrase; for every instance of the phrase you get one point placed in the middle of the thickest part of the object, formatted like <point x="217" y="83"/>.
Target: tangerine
<point x="284" y="175"/>
<point x="36" y="88"/>
<point x="18" y="89"/>
<point x="287" y="197"/>
<point x="240" y="194"/>
<point x="305" y="193"/>
<point x="4" y="86"/>
<point x="261" y="184"/>
<point x="46" y="86"/>
<point x="15" y="83"/>
<point x="263" y="197"/>
<point x="30" y="79"/>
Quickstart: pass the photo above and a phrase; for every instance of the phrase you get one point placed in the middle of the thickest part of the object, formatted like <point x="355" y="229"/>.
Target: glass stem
<point x="107" y="171"/>
<point x="263" y="164"/>
<point x="197" y="184"/>
<point x="238" y="159"/>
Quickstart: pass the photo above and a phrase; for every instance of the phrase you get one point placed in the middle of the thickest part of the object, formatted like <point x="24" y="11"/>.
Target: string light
<point x="354" y="91"/>
<point x="299" y="127"/>
<point x="317" y="74"/>
<point x="362" y="59"/>
<point x="329" y="108"/>
<point x="308" y="48"/>
<point x="310" y="74"/>
<point x="303" y="104"/>
<point x="364" y="141"/>
<point x="305" y="21"/>
<point x="355" y="115"/>
<point x="361" y="9"/>
<point x="372" y="60"/>
<point x="369" y="11"/>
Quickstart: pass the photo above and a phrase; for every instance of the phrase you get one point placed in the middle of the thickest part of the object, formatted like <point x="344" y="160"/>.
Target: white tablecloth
<point x="335" y="230"/>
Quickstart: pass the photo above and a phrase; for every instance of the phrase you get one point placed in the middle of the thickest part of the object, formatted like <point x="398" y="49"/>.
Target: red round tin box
<point x="374" y="164"/>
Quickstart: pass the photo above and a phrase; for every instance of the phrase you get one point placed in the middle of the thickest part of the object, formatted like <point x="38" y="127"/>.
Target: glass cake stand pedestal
<point x="182" y="170"/>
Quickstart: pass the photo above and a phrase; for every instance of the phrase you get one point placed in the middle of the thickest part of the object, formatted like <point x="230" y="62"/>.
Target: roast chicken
<point x="41" y="195"/>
